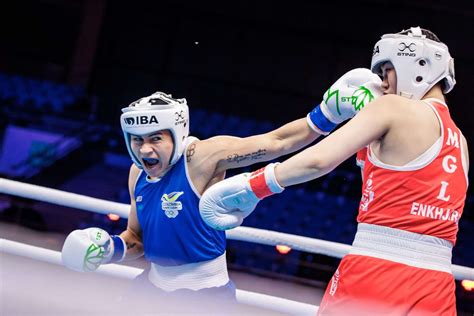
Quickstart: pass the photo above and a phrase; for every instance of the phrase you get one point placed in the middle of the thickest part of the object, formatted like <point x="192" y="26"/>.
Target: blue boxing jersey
<point x="173" y="232"/>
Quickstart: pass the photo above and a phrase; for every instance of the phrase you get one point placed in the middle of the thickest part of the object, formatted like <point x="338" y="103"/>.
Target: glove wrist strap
<point x="320" y="123"/>
<point x="264" y="183"/>
<point x="119" y="249"/>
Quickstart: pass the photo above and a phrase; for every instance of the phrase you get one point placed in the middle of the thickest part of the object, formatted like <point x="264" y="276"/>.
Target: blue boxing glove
<point x="347" y="96"/>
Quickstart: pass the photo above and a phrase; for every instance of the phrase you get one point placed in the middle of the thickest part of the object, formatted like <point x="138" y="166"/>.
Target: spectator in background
<point x="415" y="164"/>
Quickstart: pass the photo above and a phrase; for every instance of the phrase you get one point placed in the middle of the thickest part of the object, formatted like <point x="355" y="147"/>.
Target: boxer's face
<point x="154" y="151"/>
<point x="389" y="83"/>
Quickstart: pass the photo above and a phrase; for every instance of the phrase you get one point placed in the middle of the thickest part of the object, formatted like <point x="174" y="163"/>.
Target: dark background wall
<point x="262" y="60"/>
<point x="252" y="58"/>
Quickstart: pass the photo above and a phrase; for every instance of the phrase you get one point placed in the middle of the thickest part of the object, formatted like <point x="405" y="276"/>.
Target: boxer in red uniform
<point x="170" y="172"/>
<point x="415" y="164"/>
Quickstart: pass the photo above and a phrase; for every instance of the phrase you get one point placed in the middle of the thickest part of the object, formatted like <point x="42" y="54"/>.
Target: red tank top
<point x="427" y="199"/>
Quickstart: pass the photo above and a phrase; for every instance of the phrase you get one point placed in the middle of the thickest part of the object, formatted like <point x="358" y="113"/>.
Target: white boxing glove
<point x="347" y="96"/>
<point x="85" y="250"/>
<point x="225" y="204"/>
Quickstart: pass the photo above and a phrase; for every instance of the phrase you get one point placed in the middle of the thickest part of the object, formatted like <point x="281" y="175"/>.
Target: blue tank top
<point x="173" y="231"/>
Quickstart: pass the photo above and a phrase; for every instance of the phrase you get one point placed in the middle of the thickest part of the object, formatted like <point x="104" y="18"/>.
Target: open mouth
<point x="150" y="163"/>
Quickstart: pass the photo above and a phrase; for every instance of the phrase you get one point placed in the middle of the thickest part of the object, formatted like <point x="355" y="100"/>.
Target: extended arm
<point x="225" y="204"/>
<point x="233" y="152"/>
<point x="340" y="102"/>
<point x="318" y="160"/>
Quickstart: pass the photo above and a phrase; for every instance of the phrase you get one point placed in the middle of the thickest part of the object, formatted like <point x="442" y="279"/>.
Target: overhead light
<point x="113" y="217"/>
<point x="283" y="249"/>
<point x="467" y="285"/>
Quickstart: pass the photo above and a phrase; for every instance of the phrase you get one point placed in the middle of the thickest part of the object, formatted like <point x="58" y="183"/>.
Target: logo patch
<point x="93" y="257"/>
<point x="361" y="97"/>
<point x="334" y="281"/>
<point x="376" y="50"/>
<point x="358" y="99"/>
<point x="406" y="49"/>
<point x="403" y="46"/>
<point x="368" y="194"/>
<point x="179" y="118"/>
<point x="179" y="115"/>
<point x="141" y="120"/>
<point x="170" y="205"/>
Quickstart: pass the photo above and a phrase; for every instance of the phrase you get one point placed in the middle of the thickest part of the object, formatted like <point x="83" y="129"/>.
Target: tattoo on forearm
<point x="131" y="245"/>
<point x="250" y="156"/>
<point x="190" y="152"/>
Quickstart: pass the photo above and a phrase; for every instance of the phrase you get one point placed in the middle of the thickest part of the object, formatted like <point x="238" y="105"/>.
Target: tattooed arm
<point x="132" y="235"/>
<point x="217" y="154"/>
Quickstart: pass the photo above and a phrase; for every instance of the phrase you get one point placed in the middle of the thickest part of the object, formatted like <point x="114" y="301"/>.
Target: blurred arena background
<point x="245" y="67"/>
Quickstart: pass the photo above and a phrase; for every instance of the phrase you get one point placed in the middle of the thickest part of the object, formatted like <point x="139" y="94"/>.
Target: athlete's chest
<point x="170" y="200"/>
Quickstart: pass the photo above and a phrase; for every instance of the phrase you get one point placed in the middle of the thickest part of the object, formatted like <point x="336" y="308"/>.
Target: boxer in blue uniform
<point x="171" y="171"/>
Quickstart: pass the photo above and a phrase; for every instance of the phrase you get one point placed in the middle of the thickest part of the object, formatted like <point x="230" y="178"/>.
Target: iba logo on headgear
<point x="141" y="120"/>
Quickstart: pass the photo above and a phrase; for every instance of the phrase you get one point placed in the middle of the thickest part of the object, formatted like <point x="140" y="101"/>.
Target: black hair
<point x="429" y="34"/>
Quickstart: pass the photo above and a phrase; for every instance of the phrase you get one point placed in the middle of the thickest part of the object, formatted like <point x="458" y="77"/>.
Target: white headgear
<point x="419" y="62"/>
<point x="156" y="112"/>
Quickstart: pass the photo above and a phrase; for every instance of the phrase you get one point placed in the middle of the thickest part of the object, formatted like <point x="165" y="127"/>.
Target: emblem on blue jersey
<point x="170" y="205"/>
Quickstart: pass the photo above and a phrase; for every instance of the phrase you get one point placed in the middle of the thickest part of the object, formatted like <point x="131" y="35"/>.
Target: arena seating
<point x="40" y="95"/>
<point x="325" y="208"/>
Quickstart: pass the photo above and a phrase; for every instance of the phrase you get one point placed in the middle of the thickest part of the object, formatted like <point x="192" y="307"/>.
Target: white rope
<point x="272" y="238"/>
<point x="125" y="272"/>
<point x="248" y="234"/>
<point x="274" y="303"/>
<point x="54" y="196"/>
<point x="54" y="257"/>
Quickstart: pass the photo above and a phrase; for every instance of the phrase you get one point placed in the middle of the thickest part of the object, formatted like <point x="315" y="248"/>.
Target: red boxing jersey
<point x="426" y="199"/>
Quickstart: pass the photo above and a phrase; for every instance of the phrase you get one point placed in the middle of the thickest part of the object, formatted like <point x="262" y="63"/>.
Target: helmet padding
<point x="419" y="62"/>
<point x="156" y="112"/>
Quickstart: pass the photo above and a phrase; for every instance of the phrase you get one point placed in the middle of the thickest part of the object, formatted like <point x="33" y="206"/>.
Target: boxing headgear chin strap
<point x="419" y="62"/>
<point x="156" y="112"/>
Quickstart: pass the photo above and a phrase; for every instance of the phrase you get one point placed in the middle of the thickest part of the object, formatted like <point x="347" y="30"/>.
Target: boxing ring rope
<point x="242" y="233"/>
<point x="125" y="272"/>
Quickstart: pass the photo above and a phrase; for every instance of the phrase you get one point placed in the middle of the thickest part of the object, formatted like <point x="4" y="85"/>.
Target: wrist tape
<point x="264" y="183"/>
<point x="119" y="249"/>
<point x="320" y="121"/>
